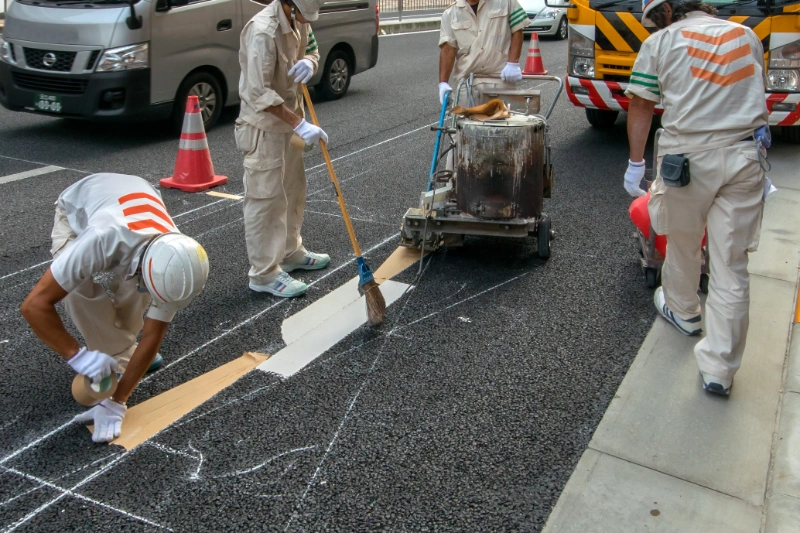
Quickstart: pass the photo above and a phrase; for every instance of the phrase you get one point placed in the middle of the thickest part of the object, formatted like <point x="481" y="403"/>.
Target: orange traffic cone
<point x="533" y="63"/>
<point x="194" y="170"/>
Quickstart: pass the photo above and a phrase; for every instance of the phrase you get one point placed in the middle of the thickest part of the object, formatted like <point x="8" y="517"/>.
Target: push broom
<point x="376" y="305"/>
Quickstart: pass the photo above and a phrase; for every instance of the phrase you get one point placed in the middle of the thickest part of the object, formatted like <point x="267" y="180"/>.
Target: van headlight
<point x="581" y="55"/>
<point x="783" y="73"/>
<point x="547" y="14"/>
<point x="6" y="53"/>
<point x="125" y="58"/>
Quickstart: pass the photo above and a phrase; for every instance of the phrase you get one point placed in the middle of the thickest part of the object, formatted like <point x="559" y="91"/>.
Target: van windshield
<point x="75" y="3"/>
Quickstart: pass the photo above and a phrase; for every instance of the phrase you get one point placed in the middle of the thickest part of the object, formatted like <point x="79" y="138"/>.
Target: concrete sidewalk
<point x="668" y="457"/>
<point x="409" y="24"/>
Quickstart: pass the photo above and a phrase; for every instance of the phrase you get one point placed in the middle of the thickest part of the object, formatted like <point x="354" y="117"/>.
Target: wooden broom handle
<point x="332" y="174"/>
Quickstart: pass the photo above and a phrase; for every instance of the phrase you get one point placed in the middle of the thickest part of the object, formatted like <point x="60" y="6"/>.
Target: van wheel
<point x="336" y="76"/>
<point x="209" y="93"/>
<point x="601" y="118"/>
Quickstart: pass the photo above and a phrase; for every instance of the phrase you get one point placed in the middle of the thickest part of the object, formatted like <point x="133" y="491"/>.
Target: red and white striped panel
<point x="784" y="118"/>
<point x="609" y="95"/>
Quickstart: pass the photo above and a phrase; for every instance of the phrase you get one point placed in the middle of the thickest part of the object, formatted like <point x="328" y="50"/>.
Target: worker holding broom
<point x="480" y="37"/>
<point x="278" y="53"/>
<point x="708" y="74"/>
<point x="117" y="225"/>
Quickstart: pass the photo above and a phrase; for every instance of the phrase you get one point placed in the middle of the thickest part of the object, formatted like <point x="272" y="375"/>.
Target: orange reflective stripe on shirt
<point x="727" y="79"/>
<point x="147" y="224"/>
<point x="720" y="59"/>
<point x="140" y="196"/>
<point x="726" y="37"/>
<point x="146" y="208"/>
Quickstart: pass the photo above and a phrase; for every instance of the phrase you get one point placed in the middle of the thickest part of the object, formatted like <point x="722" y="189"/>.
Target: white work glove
<point x="310" y="133"/>
<point x="92" y="363"/>
<point x="302" y="71"/>
<point x="107" y="418"/>
<point x="511" y="72"/>
<point x="633" y="177"/>
<point x="444" y="88"/>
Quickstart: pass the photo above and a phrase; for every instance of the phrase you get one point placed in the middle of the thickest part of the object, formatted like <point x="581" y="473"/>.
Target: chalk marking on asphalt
<point x="358" y="219"/>
<point x="26" y="269"/>
<point x="34" y="442"/>
<point x="262" y="312"/>
<point x="30" y="174"/>
<point x="43" y="164"/>
<point x="224" y="195"/>
<point x="352" y="315"/>
<point x="70" y="492"/>
<point x="268" y="461"/>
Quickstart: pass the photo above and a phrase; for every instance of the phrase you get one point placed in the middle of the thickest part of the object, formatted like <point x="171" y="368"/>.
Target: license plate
<point x="50" y="103"/>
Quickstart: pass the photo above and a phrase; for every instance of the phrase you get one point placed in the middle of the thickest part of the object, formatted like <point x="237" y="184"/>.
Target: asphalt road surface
<point x="467" y="410"/>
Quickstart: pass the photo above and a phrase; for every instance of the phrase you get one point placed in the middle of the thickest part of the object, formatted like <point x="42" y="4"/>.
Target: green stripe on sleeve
<point x="513" y="21"/>
<point x="642" y="75"/>
<point x="644" y="83"/>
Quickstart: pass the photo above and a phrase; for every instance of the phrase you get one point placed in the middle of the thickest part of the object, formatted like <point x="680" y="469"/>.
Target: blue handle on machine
<point x="438" y="140"/>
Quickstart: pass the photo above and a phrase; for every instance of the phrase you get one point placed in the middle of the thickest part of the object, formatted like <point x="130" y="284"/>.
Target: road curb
<point x="427" y="24"/>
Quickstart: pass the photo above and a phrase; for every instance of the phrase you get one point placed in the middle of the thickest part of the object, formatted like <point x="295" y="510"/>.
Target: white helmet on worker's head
<point x="174" y="269"/>
<point x="308" y="8"/>
<point x="647" y="7"/>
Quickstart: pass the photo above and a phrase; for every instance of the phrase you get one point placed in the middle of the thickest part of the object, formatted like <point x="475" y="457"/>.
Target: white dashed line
<point x="30" y="173"/>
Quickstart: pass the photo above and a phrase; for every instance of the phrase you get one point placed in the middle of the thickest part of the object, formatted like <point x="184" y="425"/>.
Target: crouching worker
<point x="278" y="53"/>
<point x="116" y="225"/>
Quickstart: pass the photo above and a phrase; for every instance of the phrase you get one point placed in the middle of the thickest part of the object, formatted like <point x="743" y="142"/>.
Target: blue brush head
<point x="364" y="273"/>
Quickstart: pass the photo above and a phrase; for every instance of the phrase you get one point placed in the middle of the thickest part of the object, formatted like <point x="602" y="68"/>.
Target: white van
<point x="134" y="60"/>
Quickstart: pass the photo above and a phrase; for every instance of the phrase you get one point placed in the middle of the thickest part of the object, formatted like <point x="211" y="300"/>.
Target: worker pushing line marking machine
<point x="497" y="168"/>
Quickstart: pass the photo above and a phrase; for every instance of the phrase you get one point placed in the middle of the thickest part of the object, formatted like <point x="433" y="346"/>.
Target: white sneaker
<point x="310" y="261"/>
<point x="688" y="327"/>
<point x="284" y="286"/>
<point x="715" y="384"/>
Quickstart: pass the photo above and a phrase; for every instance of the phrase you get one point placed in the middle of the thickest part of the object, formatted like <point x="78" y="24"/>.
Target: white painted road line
<point x="29" y="174"/>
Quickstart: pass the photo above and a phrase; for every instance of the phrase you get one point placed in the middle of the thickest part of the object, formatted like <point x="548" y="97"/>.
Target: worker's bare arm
<point x="447" y="59"/>
<point x="515" y="50"/>
<point x="39" y="309"/>
<point x="640" y="117"/>
<point x="153" y="334"/>
<point x="283" y="113"/>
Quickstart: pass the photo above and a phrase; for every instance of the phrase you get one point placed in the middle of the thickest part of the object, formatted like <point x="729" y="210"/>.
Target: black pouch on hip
<point x="675" y="170"/>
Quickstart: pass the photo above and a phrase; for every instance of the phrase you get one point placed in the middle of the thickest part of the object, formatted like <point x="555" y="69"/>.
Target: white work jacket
<point x="268" y="47"/>
<point x="481" y="40"/>
<point x="708" y="75"/>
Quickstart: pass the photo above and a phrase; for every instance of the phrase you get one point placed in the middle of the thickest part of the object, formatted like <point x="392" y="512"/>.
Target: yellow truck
<point x="605" y="36"/>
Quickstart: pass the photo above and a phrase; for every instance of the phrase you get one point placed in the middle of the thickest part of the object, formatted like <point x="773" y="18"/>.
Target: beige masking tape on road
<point x="151" y="416"/>
<point x="224" y="195"/>
<point x="401" y="259"/>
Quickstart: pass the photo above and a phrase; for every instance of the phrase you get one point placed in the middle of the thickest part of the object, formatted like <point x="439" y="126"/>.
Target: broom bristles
<point x="376" y="304"/>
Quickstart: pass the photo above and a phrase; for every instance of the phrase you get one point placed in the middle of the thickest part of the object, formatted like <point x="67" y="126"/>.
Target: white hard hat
<point x="647" y="7"/>
<point x="308" y="8"/>
<point x="174" y="270"/>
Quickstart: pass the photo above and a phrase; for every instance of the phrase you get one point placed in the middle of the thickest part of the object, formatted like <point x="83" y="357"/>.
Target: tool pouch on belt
<point x="675" y="170"/>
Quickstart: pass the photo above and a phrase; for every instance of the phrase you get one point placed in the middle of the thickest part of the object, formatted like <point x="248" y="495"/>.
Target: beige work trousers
<point x="274" y="200"/>
<point x="109" y="324"/>
<point x="725" y="196"/>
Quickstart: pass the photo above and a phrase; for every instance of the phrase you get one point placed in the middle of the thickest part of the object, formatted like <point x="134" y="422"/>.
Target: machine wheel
<point x="651" y="277"/>
<point x="543" y="238"/>
<point x="206" y="87"/>
<point x="601" y="119"/>
<point x="562" y="31"/>
<point x="336" y="76"/>
<point x="704" y="283"/>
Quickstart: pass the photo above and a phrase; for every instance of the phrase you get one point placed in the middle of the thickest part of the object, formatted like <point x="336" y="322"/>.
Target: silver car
<point x="546" y="21"/>
<point x="114" y="60"/>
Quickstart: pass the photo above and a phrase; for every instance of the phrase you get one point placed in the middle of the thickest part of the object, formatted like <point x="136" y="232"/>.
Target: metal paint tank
<point x="499" y="167"/>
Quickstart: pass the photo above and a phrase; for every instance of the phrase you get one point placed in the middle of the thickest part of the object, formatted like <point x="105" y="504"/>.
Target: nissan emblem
<point x="49" y="59"/>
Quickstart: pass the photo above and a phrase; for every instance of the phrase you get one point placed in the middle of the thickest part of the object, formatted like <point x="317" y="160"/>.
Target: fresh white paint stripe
<point x="308" y="318"/>
<point x="324" y="336"/>
<point x="29" y="174"/>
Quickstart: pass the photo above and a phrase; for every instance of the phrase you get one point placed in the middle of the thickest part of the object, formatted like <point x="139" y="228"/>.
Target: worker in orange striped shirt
<point x="116" y="225"/>
<point x="708" y="74"/>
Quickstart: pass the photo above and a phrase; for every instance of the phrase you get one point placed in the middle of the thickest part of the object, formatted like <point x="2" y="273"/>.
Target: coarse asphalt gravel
<point x="467" y="410"/>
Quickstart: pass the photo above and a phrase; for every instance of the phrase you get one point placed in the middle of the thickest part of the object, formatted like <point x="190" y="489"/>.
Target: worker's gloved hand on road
<point x="511" y="72"/>
<point x="302" y="71"/>
<point x="633" y="177"/>
<point x="310" y="133"/>
<point x="444" y="88"/>
<point x="92" y="363"/>
<point x="107" y="418"/>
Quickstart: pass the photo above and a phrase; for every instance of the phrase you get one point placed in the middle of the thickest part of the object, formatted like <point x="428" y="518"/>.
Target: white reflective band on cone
<point x="193" y="123"/>
<point x="197" y="144"/>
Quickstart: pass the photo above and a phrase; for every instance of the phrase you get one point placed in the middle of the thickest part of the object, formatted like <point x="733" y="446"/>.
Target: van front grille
<point x="92" y="60"/>
<point x="55" y="60"/>
<point x="51" y="84"/>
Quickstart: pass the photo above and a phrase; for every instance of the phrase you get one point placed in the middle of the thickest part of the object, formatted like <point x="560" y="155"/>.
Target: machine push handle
<point x="438" y="140"/>
<point x="332" y="174"/>
<point x="548" y="78"/>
